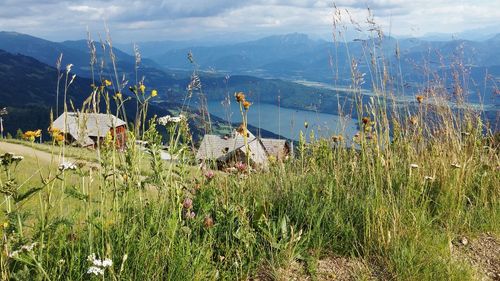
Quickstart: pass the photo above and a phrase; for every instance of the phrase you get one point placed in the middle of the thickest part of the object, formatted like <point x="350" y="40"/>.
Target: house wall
<point x="121" y="136"/>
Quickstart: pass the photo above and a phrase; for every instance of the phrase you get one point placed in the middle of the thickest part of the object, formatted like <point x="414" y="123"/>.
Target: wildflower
<point x="419" y="98"/>
<point x="208" y="222"/>
<point x="29" y="248"/>
<point x="54" y="131"/>
<point x="337" y="138"/>
<point x="107" y="83"/>
<point x="170" y="119"/>
<point x="456" y="165"/>
<point x="24" y="248"/>
<point x="107" y="262"/>
<point x="190" y="215"/>
<point x="5" y="224"/>
<point x="9" y="158"/>
<point x="17" y="158"/>
<point x="31" y="135"/>
<point x="59" y="138"/>
<point x="142" y="88"/>
<point x="209" y="175"/>
<point x="429" y="178"/>
<point x="67" y="166"/>
<point x="246" y="104"/>
<point x="95" y="270"/>
<point x="240" y="166"/>
<point x="413" y="120"/>
<point x="242" y="130"/>
<point x="366" y="120"/>
<point x="240" y="97"/>
<point x="154" y="93"/>
<point x="188" y="203"/>
<point x="119" y="95"/>
<point x="414" y="166"/>
<point x="98" y="265"/>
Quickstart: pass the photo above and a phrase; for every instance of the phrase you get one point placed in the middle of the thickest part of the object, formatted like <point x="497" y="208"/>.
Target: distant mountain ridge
<point x="296" y="55"/>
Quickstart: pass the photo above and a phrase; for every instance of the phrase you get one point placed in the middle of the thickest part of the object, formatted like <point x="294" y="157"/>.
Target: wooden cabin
<point x="89" y="129"/>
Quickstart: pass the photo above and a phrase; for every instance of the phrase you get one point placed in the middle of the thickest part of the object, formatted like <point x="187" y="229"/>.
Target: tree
<point x="19" y="134"/>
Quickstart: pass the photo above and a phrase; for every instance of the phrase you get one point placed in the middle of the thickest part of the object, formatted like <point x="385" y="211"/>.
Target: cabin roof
<point x="83" y="126"/>
<point x="220" y="148"/>
<point x="275" y="147"/>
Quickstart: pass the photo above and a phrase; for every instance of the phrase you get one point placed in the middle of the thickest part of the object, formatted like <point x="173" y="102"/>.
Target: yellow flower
<point x="107" y="83"/>
<point x="142" y="88"/>
<point x="5" y="224"/>
<point x="420" y="98"/>
<point x="240" y="97"/>
<point x="31" y="135"/>
<point x="242" y="130"/>
<point x="154" y="93"/>
<point x="59" y="138"/>
<point x="246" y="104"/>
<point x="119" y="95"/>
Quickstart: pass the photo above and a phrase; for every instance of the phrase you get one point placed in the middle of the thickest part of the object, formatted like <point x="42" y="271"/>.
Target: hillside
<point x="29" y="93"/>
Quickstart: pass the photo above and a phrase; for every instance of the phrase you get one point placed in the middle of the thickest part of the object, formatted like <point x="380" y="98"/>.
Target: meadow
<point x="402" y="203"/>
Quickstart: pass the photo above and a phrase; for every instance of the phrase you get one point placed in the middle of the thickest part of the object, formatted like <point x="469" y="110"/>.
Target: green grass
<point x="368" y="204"/>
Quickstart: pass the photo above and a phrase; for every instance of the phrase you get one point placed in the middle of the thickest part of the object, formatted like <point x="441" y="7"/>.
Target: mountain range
<point x="266" y="69"/>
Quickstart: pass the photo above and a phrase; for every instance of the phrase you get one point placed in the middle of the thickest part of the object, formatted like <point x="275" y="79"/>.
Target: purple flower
<point x="240" y="166"/>
<point x="190" y="215"/>
<point x="209" y="175"/>
<point x="187" y="204"/>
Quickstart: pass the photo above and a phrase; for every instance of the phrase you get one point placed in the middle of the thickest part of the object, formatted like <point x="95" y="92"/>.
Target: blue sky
<point x="132" y="20"/>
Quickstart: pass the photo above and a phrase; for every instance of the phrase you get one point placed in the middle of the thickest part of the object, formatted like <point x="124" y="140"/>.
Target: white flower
<point x="98" y="265"/>
<point x="170" y="119"/>
<point x="107" y="263"/>
<point x="24" y="248"/>
<point x="414" y="166"/>
<point x="17" y="157"/>
<point x="456" y="165"/>
<point x="67" y="166"/>
<point x="14" y="254"/>
<point x="29" y="248"/>
<point x="97" y="262"/>
<point x="429" y="178"/>
<point x="95" y="270"/>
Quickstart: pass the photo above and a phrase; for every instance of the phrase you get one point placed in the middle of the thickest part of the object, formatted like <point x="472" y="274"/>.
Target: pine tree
<point x="19" y="134"/>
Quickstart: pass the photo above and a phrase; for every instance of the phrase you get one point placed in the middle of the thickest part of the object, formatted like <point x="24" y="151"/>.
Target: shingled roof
<point x="275" y="147"/>
<point x="221" y="148"/>
<point x="83" y="126"/>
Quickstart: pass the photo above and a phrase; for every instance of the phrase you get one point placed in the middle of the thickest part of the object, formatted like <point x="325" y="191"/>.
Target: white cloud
<point x="175" y="19"/>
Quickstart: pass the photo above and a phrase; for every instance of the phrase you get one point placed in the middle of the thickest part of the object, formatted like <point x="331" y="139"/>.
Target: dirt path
<point x="26" y="151"/>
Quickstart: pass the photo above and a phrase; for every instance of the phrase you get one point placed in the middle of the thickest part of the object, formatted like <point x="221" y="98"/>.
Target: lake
<point x="287" y="122"/>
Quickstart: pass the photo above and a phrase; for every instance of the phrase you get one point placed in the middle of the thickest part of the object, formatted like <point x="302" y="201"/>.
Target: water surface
<point x="285" y="121"/>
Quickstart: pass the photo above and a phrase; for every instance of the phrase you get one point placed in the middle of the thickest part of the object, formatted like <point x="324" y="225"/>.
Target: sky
<point x="156" y="20"/>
